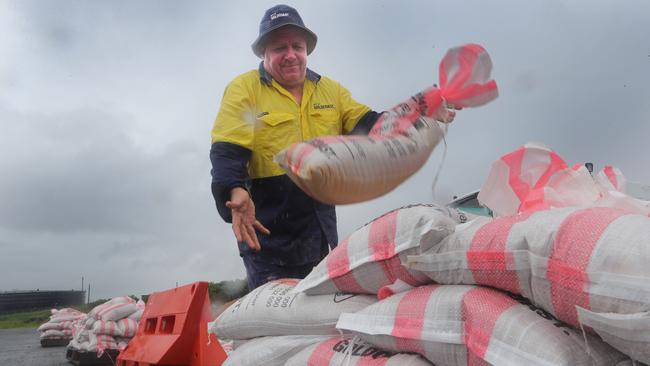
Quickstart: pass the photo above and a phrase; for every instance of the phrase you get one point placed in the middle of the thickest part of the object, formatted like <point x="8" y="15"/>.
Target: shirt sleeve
<point x="231" y="150"/>
<point x="236" y="117"/>
<point x="229" y="170"/>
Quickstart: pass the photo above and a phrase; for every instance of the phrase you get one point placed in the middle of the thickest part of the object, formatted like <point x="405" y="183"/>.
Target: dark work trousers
<point x="261" y="272"/>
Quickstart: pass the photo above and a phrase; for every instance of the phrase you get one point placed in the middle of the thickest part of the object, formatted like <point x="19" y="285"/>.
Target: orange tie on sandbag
<point x="350" y="169"/>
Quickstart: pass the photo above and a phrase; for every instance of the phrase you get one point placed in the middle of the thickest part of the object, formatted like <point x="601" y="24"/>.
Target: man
<point x="281" y="231"/>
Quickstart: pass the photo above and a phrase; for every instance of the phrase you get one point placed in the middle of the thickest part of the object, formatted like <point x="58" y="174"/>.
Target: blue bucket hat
<point x="277" y="17"/>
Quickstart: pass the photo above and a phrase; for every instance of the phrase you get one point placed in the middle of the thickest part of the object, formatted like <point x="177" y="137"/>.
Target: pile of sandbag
<point x="278" y="323"/>
<point x="110" y="325"/>
<point x="61" y="324"/>
<point x="574" y="245"/>
<point x="447" y="324"/>
<point x="550" y="316"/>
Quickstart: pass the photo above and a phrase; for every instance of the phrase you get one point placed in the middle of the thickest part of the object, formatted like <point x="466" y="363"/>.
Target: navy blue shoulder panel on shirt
<point x="365" y="123"/>
<point x="229" y="170"/>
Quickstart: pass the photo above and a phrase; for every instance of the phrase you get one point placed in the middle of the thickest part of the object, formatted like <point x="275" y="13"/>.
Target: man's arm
<point x="231" y="187"/>
<point x="229" y="170"/>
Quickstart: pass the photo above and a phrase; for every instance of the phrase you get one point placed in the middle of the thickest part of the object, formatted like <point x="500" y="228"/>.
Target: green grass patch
<point x="24" y="319"/>
<point x="35" y="317"/>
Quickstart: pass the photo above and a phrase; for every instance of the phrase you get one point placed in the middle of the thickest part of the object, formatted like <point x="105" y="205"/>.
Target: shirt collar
<point x="266" y="77"/>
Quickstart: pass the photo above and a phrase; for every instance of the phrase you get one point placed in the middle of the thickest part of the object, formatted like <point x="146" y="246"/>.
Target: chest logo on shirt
<point x="324" y="106"/>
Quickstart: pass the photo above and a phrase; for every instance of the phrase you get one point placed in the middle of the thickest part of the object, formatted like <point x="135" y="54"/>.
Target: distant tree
<point x="224" y="291"/>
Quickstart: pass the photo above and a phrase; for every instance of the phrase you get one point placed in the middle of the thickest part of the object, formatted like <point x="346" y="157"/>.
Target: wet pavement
<point x="22" y="347"/>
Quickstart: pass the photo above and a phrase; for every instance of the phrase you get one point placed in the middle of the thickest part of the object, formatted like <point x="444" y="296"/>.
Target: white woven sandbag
<point x="122" y="328"/>
<point x="270" y="351"/>
<point x="49" y="325"/>
<point x="65" y="317"/>
<point x="128" y="327"/>
<point x="350" y="169"/>
<point x="81" y="334"/>
<point x="65" y="311"/>
<point x="340" y="351"/>
<point x="371" y="257"/>
<point x="596" y="258"/>
<point x="482" y="251"/>
<point x="56" y="333"/>
<point x="107" y="327"/>
<point x="469" y="325"/>
<point x="273" y="309"/>
<point x="138" y="314"/>
<point x="116" y="311"/>
<point x="99" y="343"/>
<point x="626" y="332"/>
<point x="114" y="301"/>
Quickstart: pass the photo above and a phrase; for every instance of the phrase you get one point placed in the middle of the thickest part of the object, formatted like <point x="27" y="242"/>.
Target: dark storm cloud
<point x="81" y="171"/>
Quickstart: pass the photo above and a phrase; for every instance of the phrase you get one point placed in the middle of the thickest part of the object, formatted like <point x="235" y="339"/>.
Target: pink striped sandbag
<point x="116" y="311"/>
<point x="121" y="328"/>
<point x="534" y="177"/>
<point x="611" y="178"/>
<point x="563" y="260"/>
<point x="100" y="343"/>
<point x="340" y="351"/>
<point x="269" y="351"/>
<point x="349" y="169"/>
<point x="114" y="301"/>
<point x="56" y="334"/>
<point x="469" y="325"/>
<point x="596" y="258"/>
<point x="128" y="326"/>
<point x="371" y="257"/>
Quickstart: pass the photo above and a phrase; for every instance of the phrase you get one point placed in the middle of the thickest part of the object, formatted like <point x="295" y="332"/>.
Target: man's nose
<point x="291" y="53"/>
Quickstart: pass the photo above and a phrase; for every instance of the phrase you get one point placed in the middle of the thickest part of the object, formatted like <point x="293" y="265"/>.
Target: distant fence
<point x="28" y="300"/>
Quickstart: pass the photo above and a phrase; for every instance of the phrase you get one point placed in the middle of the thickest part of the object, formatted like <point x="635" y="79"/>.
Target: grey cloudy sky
<point x="106" y="109"/>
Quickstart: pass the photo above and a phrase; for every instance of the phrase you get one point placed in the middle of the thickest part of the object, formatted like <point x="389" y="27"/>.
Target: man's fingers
<point x="253" y="235"/>
<point x="237" y="230"/>
<point x="233" y="205"/>
<point x="258" y="225"/>
<point x="251" y="240"/>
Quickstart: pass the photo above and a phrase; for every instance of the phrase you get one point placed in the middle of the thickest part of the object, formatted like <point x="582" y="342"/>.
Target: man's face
<point x="285" y="56"/>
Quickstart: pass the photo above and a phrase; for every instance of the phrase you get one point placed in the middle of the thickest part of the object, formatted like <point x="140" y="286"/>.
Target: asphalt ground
<point x="22" y="347"/>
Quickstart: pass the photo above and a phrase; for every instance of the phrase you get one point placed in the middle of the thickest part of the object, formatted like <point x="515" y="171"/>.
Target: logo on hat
<point x="277" y="15"/>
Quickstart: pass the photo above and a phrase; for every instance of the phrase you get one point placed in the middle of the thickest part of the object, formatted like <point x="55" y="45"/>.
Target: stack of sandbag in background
<point x="110" y="325"/>
<point x="61" y="324"/>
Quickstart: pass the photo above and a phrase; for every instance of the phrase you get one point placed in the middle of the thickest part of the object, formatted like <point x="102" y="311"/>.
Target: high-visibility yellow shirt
<point x="260" y="115"/>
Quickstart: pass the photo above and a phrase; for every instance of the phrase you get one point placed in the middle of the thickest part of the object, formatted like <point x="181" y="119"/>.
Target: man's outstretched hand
<point x="244" y="222"/>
